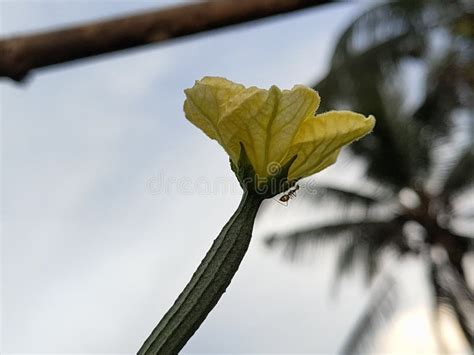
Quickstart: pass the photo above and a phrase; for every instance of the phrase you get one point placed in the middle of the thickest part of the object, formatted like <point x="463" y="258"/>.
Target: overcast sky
<point x="108" y="202"/>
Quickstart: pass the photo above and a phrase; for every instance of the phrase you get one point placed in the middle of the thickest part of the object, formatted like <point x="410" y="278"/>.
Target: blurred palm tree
<point x="411" y="65"/>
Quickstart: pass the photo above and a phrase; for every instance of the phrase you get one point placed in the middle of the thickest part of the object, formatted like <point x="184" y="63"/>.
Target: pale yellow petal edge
<point x="320" y="139"/>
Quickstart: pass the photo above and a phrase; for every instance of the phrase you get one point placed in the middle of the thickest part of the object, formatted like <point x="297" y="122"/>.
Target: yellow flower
<point x="273" y="125"/>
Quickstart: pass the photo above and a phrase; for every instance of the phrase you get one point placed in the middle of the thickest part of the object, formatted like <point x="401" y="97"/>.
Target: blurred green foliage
<point x="411" y="65"/>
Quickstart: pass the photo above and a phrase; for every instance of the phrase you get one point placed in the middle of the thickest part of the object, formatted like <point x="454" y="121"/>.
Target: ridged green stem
<point x="208" y="283"/>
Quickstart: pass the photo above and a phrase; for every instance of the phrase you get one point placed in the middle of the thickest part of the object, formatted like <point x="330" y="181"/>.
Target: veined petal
<point x="207" y="101"/>
<point x="266" y="122"/>
<point x="319" y="140"/>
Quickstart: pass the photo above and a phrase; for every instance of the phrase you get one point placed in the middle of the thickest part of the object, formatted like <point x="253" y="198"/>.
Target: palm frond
<point x="368" y="56"/>
<point x="346" y="195"/>
<point x="465" y="214"/>
<point x="376" y="314"/>
<point x="366" y="249"/>
<point x="356" y="85"/>
<point x="391" y="160"/>
<point x="461" y="175"/>
<point x="392" y="19"/>
<point x="296" y="242"/>
<point x="465" y="243"/>
<point x="449" y="87"/>
<point x="437" y="305"/>
<point x="401" y="162"/>
<point x="363" y="242"/>
<point x="346" y="199"/>
<point x="453" y="293"/>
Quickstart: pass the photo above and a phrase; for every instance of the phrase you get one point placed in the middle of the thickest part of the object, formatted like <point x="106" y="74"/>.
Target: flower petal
<point x="320" y="139"/>
<point x="266" y="122"/>
<point x="207" y="101"/>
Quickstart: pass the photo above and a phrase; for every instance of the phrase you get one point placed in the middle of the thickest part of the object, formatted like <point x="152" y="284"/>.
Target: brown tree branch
<point x="19" y="55"/>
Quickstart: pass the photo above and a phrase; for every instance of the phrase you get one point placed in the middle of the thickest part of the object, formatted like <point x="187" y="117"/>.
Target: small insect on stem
<point x="288" y="196"/>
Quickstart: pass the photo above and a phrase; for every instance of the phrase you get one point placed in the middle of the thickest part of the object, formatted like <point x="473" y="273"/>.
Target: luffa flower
<point x="270" y="136"/>
<point x="273" y="125"/>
